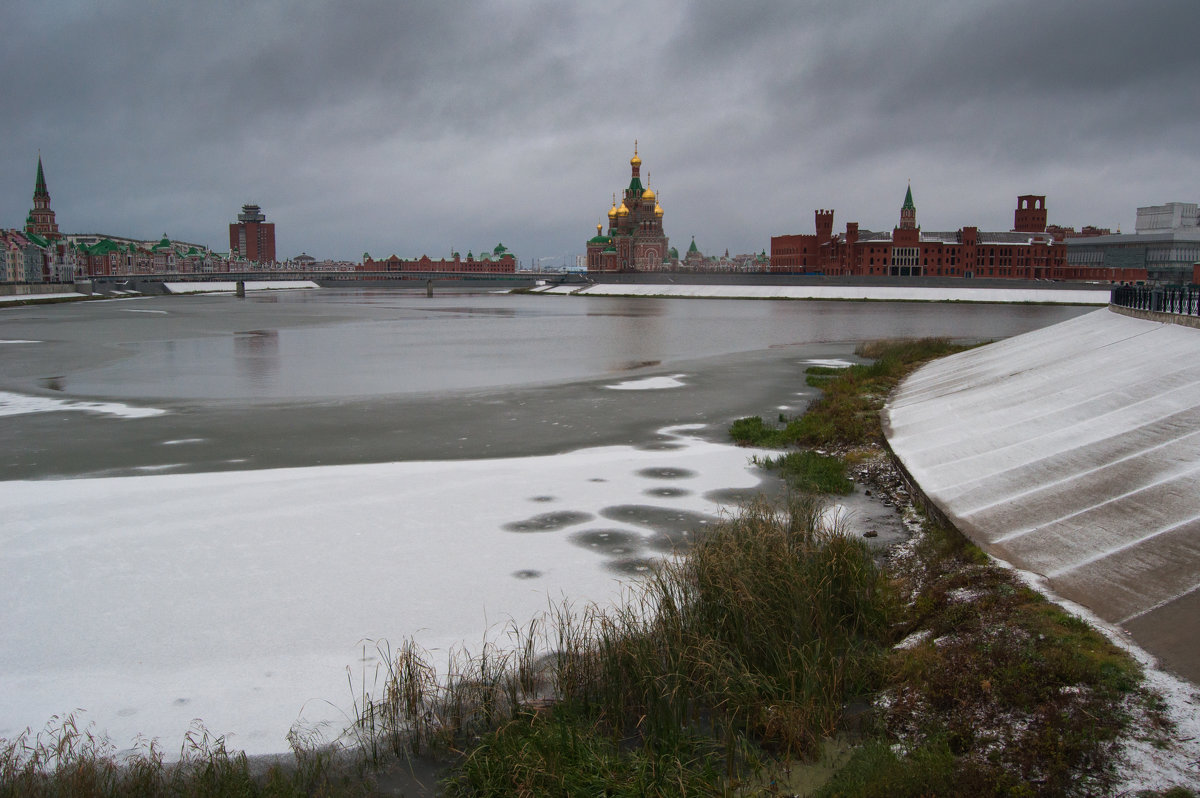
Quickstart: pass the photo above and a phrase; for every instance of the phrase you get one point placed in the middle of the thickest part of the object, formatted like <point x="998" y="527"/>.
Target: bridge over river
<point x="1074" y="452"/>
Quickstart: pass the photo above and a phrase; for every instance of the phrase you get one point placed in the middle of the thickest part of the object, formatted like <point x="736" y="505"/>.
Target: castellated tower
<point x="1030" y="215"/>
<point x="824" y="225"/>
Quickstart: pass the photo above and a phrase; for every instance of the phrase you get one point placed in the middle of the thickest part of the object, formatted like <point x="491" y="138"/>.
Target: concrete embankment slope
<point x="1074" y="452"/>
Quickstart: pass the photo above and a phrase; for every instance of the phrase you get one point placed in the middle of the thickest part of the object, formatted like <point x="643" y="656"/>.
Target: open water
<point x="352" y="376"/>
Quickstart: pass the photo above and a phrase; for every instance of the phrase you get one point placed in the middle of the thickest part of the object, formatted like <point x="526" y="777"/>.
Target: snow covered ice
<point x="246" y="599"/>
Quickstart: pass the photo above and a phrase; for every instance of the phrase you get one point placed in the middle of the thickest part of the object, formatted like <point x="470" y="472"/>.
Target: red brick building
<point x="499" y="261"/>
<point x="635" y="239"/>
<point x="1027" y="252"/>
<point x="252" y="237"/>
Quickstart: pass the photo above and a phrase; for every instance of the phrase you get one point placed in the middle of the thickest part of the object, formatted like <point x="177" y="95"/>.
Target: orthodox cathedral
<point x="635" y="239"/>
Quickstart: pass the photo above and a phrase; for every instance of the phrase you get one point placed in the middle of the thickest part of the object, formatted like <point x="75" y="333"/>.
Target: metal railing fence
<point x="1181" y="299"/>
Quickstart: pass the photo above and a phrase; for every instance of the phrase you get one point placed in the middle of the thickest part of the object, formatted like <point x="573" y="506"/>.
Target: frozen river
<point x="210" y="504"/>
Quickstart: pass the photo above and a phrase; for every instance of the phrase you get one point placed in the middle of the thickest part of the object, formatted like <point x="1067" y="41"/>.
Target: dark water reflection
<point x="358" y="343"/>
<point x="256" y="356"/>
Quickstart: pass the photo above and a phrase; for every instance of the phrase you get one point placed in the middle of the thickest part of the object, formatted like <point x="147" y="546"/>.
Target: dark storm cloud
<point x="414" y="127"/>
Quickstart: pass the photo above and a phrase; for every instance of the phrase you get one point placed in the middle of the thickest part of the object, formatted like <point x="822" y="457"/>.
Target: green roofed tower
<point x="908" y="212"/>
<point x="40" y="189"/>
<point x="41" y="219"/>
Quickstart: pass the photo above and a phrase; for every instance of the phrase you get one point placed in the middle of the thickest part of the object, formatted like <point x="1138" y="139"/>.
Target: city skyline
<point x="413" y="130"/>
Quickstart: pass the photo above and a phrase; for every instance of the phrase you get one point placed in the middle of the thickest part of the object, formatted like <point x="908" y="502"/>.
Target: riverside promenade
<point x="1074" y="452"/>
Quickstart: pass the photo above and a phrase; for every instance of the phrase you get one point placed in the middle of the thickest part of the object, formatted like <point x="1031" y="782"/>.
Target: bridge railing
<point x="1180" y="299"/>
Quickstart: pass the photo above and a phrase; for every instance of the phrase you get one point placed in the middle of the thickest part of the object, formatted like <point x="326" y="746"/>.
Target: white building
<point x="1165" y="218"/>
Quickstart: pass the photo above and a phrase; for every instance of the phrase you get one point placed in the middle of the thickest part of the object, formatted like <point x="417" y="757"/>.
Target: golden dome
<point x="622" y="211"/>
<point x="612" y="211"/>
<point x="635" y="160"/>
<point x="648" y="194"/>
<point x="658" y="211"/>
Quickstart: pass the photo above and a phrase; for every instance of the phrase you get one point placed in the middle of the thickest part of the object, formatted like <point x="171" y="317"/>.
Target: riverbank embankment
<point x="1073" y="452"/>
<point x="1035" y="294"/>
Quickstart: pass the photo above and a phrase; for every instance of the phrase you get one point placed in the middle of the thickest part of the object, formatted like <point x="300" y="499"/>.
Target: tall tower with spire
<point x="41" y="219"/>
<point x="908" y="212"/>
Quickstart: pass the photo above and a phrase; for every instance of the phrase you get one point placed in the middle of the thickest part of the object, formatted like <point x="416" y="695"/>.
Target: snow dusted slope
<point x="1074" y="452"/>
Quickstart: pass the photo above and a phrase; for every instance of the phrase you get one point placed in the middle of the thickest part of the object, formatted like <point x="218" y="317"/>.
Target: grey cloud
<point x="411" y="127"/>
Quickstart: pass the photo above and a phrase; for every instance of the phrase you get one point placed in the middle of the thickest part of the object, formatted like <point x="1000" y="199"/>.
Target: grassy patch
<point x="847" y="414"/>
<point x="565" y="754"/>
<point x="746" y="648"/>
<point x="810" y="472"/>
<point x="1017" y="692"/>
<point x="876" y="769"/>
<point x="66" y="760"/>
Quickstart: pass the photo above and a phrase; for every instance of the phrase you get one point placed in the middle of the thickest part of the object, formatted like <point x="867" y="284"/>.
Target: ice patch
<point x="19" y="341"/>
<point x="135" y="310"/>
<point x="23" y="297"/>
<point x="835" y="517"/>
<point x="15" y="404"/>
<point x="181" y="441"/>
<point x="832" y="363"/>
<point x="649" y="383"/>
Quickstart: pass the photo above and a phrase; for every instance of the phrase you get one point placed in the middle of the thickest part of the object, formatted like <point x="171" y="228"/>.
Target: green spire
<point x="40" y="189"/>
<point x="908" y="203"/>
<point x="692" y="248"/>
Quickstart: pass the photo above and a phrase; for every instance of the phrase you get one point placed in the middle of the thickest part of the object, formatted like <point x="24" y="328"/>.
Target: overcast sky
<point x="414" y="127"/>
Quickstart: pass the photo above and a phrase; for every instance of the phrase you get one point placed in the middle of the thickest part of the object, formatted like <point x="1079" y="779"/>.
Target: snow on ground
<point x="19" y="341"/>
<point x="251" y="599"/>
<point x="1098" y="296"/>
<point x="230" y="285"/>
<point x="15" y="404"/>
<point x="23" y="297"/>
<point x="1146" y="765"/>
<point x="649" y="383"/>
<point x="833" y="363"/>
